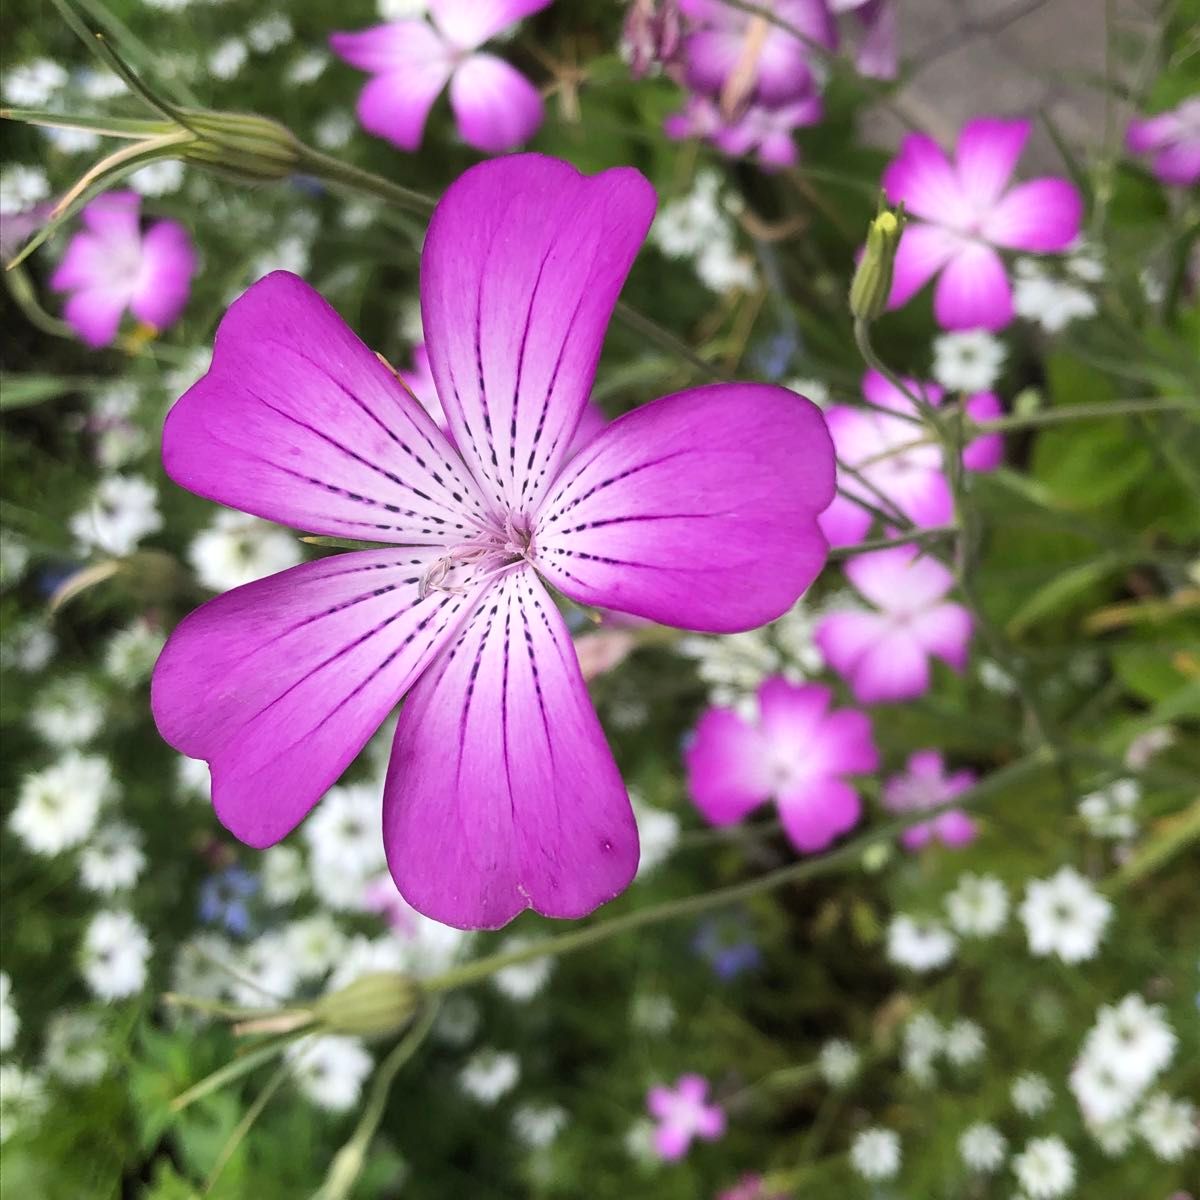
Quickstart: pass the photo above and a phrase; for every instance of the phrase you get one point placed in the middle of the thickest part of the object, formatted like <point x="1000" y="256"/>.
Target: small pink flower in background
<point x="683" y="1114"/>
<point x="697" y="510"/>
<point x="495" y="106"/>
<point x="884" y="451"/>
<point x="1173" y="139"/>
<point x="962" y="211"/>
<point x="925" y="784"/>
<point x="750" y="1187"/>
<point x="112" y="266"/>
<point x="651" y="36"/>
<point x="879" y="50"/>
<point x="884" y="654"/>
<point x="380" y="897"/>
<point x="764" y="131"/>
<point x="795" y="752"/>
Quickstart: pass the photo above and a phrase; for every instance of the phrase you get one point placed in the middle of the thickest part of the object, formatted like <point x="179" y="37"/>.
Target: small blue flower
<point x="727" y="945"/>
<point x="223" y="899"/>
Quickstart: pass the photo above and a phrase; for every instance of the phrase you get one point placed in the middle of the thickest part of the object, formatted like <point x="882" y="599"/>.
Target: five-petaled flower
<point x="925" y="784"/>
<point x="884" y="654"/>
<point x="111" y="266"/>
<point x="963" y="211"/>
<point x="1172" y="138"/>
<point x="495" y="106"/>
<point x="697" y="510"/>
<point x="796" y="752"/>
<point x="683" y="1113"/>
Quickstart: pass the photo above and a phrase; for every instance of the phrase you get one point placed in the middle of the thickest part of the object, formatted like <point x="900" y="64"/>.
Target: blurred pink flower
<point x="879" y="50"/>
<point x="1173" y="138"/>
<point x="750" y="1187"/>
<point x="766" y="132"/>
<point x="683" y="1114"/>
<point x="925" y="784"/>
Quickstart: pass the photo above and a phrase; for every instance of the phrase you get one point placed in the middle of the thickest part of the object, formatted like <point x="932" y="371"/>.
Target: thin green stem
<point x="232" y="1070"/>
<point x="1086" y="412"/>
<point x="343" y="174"/>
<point x="244" y="1126"/>
<point x="932" y="533"/>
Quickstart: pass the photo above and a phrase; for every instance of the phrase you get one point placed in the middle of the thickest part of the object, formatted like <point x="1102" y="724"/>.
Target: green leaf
<point x="24" y="391"/>
<point x="1063" y="591"/>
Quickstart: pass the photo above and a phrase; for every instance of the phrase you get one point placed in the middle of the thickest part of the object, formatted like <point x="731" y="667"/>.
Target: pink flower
<point x="884" y="655"/>
<point x="724" y="40"/>
<point x="964" y="210"/>
<point x="795" y="752"/>
<point x="682" y="1115"/>
<point x="1173" y="138"/>
<point x="651" y="35"/>
<point x="410" y="62"/>
<point x="878" y="52"/>
<point x="111" y="266"/>
<point x="897" y="458"/>
<point x="750" y="1187"/>
<point x="766" y="131"/>
<point x="697" y="510"/>
<point x="926" y="785"/>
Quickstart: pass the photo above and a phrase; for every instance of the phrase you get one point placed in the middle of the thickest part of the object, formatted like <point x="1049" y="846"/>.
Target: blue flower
<point x="223" y="899"/>
<point x="727" y="945"/>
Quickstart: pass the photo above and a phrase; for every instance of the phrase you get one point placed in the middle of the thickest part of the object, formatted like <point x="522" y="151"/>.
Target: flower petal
<point x="95" y="314"/>
<point x="986" y="157"/>
<point x="400" y="46"/>
<point x="1179" y="164"/>
<point x="279" y="684"/>
<point x="1041" y="216"/>
<point x="944" y="631"/>
<point x="895" y="668"/>
<point x="395" y="106"/>
<point x="923" y="178"/>
<point x="815" y="814"/>
<point x="165" y="277"/>
<point x="469" y="23"/>
<point x="522" y="265"/>
<point x="698" y="510"/>
<point x="114" y="216"/>
<point x="844" y="637"/>
<point x="844" y="523"/>
<point x="297" y="421"/>
<point x="496" y="107"/>
<point x="986" y="452"/>
<point x="502" y="794"/>
<point x="899" y="577"/>
<point x="973" y="291"/>
<point x="726" y="762"/>
<point x="847" y="742"/>
<point x="923" y="251"/>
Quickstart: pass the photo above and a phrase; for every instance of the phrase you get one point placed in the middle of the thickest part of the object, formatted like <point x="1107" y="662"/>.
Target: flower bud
<point x="872" y="284"/>
<point x="374" y="1005"/>
<point x="246" y="147"/>
<point x="651" y="36"/>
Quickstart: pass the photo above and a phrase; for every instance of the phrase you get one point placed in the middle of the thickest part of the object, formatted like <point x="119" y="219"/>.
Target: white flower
<point x="160" y="178"/>
<point x="22" y="1100"/>
<point x="288" y="254"/>
<point x="228" y="58"/>
<point x="1102" y="1095"/>
<point x="71" y="141"/>
<point x="982" y="1147"/>
<point x="969" y="361"/>
<point x="685" y="226"/>
<point x="1113" y="1137"/>
<point x="193" y="777"/>
<point x="401" y="10"/>
<point x="875" y="1153"/>
<point x="237" y="549"/>
<point x="10" y="1023"/>
<point x="995" y="678"/>
<point x="265" y="971"/>
<point x="343" y="834"/>
<point x="1133" y="1039"/>
<point x="307" y="68"/>
<point x="1045" y="1168"/>
<point x="182" y="376"/>
<point x="26" y="646"/>
<point x="978" y="906"/>
<point x="57" y="807"/>
<point x="333" y="130"/>
<point x="68" y="712"/>
<point x="1170" y="1127"/>
<point x="722" y="269"/>
<point x="919" y="945"/>
<point x="101" y="85"/>
<point x="839" y="1062"/>
<point x="652" y="1013"/>
<point x="658" y="831"/>
<point x="1052" y="303"/>
<point x="265" y="35"/>
<point x="964" y="1043"/>
<point x="639" y="1142"/>
<point x="21" y="187"/>
<point x="367" y="956"/>
<point x="131" y="653"/>
<point x="816" y="390"/>
<point x="204" y="967"/>
<point x="1109" y="812"/>
<point x="1031" y="1094"/>
<point x="75" y="1049"/>
<point x="114" y="955"/>
<point x="14" y="557"/>
<point x="330" y="1070"/>
<point x="489" y="1074"/>
<point x="457" y="1020"/>
<point x="112" y="860"/>
<point x="32" y="84"/>
<point x="283" y="874"/>
<point x="1064" y="915"/>
<point x="923" y="1040"/>
<point x="537" y="1125"/>
<point x="1146" y="745"/>
<point x="124" y="509"/>
<point x="315" y="944"/>
<point x="522" y="981"/>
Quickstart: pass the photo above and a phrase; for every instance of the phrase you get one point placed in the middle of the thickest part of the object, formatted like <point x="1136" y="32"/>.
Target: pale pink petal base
<point x="496" y="107"/>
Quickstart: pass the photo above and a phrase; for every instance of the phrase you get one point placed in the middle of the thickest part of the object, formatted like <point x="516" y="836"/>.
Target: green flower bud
<point x="373" y="1005"/>
<point x="242" y="146"/>
<point x="872" y="284"/>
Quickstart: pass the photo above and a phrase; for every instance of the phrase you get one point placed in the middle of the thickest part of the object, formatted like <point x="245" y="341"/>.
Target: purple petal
<point x="469" y="23"/>
<point x="398" y="46"/>
<point x="899" y="578"/>
<point x="923" y="178"/>
<point x="944" y="631"/>
<point x="895" y="668"/>
<point x="298" y="422"/>
<point x="844" y="523"/>
<point x="496" y="107"/>
<point x="1153" y="133"/>
<point x="727" y="772"/>
<point x="986" y="156"/>
<point x="502" y="794"/>
<point x="165" y="278"/>
<point x="878" y="54"/>
<point x="845" y="637"/>
<point x="95" y="314"/>
<point x="1179" y="164"/>
<point x="848" y="743"/>
<point x="113" y="217"/>
<point x="396" y="106"/>
<point x="671" y="1142"/>
<point x="986" y="452"/>
<point x="698" y="510"/>
<point x="816" y="814"/>
<point x="280" y="683"/>
<point x="973" y="291"/>
<point x="792" y="713"/>
<point x="522" y="265"/>
<point x="954" y="828"/>
<point x="923" y="251"/>
<point x="1041" y="216"/>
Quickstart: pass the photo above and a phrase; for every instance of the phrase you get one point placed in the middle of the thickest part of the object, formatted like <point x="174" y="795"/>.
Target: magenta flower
<point x="795" y="752"/>
<point x="495" y="106"/>
<point x="897" y="458"/>
<point x="966" y="209"/>
<point x="926" y="785"/>
<point x="751" y="1186"/>
<point x="777" y="64"/>
<point x="111" y="266"/>
<point x="1173" y="138"/>
<point x="878" y="51"/>
<point x="697" y="510"/>
<point x="884" y="655"/>
<point x="765" y="131"/>
<point x="683" y="1115"/>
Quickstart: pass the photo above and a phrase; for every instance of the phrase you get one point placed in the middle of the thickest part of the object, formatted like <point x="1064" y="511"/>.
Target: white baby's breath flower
<point x="537" y="1125"/>
<point x="10" y="1023"/>
<point x="401" y="10"/>
<point x="639" y="1142"/>
<point x="1102" y="1095"/>
<point x="1133" y="1039"/>
<point x="1031" y="1094"/>
<point x="978" y="905"/>
<point x="1169" y="1127"/>
<point x="114" y="955"/>
<point x="489" y="1074"/>
<point x="367" y="956"/>
<point x="161" y="178"/>
<point x="457" y="1021"/>
<point x="14" y="557"/>
<point x="982" y="1147"/>
<point x="964" y="1043"/>
<point x="1113" y="1137"/>
<point x="1045" y="1169"/>
<point x="1064" y="916"/>
<point x="968" y="361"/>
<point x="658" y="831"/>
<point x="204" y="967"/>
<point x="522" y="981"/>
<point x="68" y="712"/>
<point x="228" y="58"/>
<point x="875" y="1153"/>
<point x="237" y="549"/>
<point x="816" y="390"/>
<point x="330" y="1070"/>
<point x="920" y="945"/>
<point x="270" y="32"/>
<point x="266" y="971"/>
<point x="652" y="1013"/>
<point x="71" y="141"/>
<point x="1109" y="811"/>
<point x="75" y="1050"/>
<point x="193" y="778"/>
<point x="21" y="187"/>
<point x="333" y="130"/>
<point x="32" y="84"/>
<point x="923" y="1041"/>
<point x="839" y="1062"/>
<point x="307" y="68"/>
<point x="1051" y="302"/>
<point x="57" y="807"/>
<point x="112" y="860"/>
<point x="315" y="944"/>
<point x="22" y="1101"/>
<point x="26" y="646"/>
<point x="283" y="874"/>
<point x="131" y="652"/>
<point x="343" y="833"/>
<point x="123" y="510"/>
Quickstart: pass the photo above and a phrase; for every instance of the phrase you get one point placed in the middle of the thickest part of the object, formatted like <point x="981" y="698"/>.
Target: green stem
<point x="930" y="534"/>
<point x="244" y="1126"/>
<point x="471" y="973"/>
<point x="232" y="1070"/>
<point x="344" y="174"/>
<point x="1085" y="412"/>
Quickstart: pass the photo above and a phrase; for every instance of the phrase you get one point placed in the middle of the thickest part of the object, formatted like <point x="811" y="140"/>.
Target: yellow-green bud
<point x="373" y="1005"/>
<point x="872" y="284"/>
<point x="243" y="146"/>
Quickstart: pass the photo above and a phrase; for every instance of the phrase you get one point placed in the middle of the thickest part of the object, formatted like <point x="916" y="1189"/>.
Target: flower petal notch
<point x="698" y="510"/>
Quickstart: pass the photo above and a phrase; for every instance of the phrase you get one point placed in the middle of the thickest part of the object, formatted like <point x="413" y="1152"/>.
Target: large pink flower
<point x="925" y="784"/>
<point x="683" y="1113"/>
<point x="796" y="752"/>
<point x="884" y="655"/>
<point x="966" y="209"/>
<point x="697" y="510"/>
<point x="897" y="458"/>
<point x="496" y="107"/>
<point x="1173" y="138"/>
<point x="111" y="266"/>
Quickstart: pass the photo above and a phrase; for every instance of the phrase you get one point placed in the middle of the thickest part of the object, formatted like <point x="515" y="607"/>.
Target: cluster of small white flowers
<point x="21" y="187"/>
<point x="193" y="778"/>
<point x="26" y="646"/>
<point x="270" y="33"/>
<point x="1064" y="916"/>
<point x="68" y="712"/>
<point x="10" y="1022"/>
<point x="345" y="850"/>
<point x="522" y="981"/>
<point x="228" y="58"/>
<point x="697" y="227"/>
<point x="265" y="971"/>
<point x="71" y="141"/>
<point x="113" y="859"/>
<point x="315" y="944"/>
<point x="161" y="178"/>
<point x="982" y="1148"/>
<point x="1171" y="1128"/>
<point x="1049" y="300"/>
<point x="489" y="1074"/>
<point x="978" y="906"/>
<point x="1045" y="1168"/>
<point x="919" y="944"/>
<point x="330" y="1070"/>
<point x="14" y="557"/>
<point x="123" y="510"/>
<point x="965" y="1043"/>
<point x="32" y="84"/>
<point x="1031" y="1094"/>
<point x="57" y="807"/>
<point x="203" y="967"/>
<point x="875" y="1153"/>
<point x="283" y="875"/>
<point x="658" y="833"/>
<point x="131" y="652"/>
<point x="537" y="1125"/>
<point x="970" y="361"/>
<point x="114" y="955"/>
<point x="839" y="1062"/>
<point x="922" y="1041"/>
<point x="237" y="549"/>
<point x="75" y="1051"/>
<point x="23" y="1100"/>
<point x="652" y="1013"/>
<point x="1109" y="812"/>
